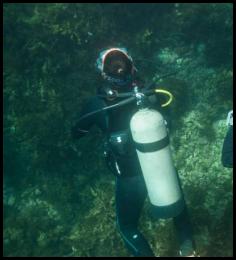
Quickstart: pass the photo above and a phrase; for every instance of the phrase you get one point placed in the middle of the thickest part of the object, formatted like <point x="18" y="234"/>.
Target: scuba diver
<point x="227" y="149"/>
<point x="120" y="79"/>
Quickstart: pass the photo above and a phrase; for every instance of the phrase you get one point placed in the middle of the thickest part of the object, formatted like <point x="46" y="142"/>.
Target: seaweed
<point x="58" y="194"/>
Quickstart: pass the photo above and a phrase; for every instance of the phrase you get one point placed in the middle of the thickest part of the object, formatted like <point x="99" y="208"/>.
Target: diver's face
<point x="117" y="65"/>
<point x="118" y="68"/>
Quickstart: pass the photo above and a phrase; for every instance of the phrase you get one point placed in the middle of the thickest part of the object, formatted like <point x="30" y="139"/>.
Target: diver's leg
<point x="130" y="195"/>
<point x="183" y="228"/>
<point x="184" y="232"/>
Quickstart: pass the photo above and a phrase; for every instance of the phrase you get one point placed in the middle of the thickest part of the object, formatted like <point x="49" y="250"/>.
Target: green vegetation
<point x="58" y="194"/>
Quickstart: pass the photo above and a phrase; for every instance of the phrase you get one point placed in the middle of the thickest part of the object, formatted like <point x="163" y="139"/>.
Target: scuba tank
<point x="151" y="139"/>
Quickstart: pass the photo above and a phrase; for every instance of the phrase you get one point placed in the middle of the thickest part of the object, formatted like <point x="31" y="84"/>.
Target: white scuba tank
<point x="151" y="139"/>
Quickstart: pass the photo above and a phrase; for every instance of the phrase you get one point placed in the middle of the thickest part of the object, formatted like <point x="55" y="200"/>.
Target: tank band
<point x="168" y="211"/>
<point x="152" y="147"/>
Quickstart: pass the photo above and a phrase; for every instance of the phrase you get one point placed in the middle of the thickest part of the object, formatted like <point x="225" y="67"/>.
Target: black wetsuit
<point x="227" y="150"/>
<point x="123" y="162"/>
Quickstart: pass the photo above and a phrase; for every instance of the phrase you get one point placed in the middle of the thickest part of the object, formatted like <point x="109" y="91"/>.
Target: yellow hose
<point x="167" y="93"/>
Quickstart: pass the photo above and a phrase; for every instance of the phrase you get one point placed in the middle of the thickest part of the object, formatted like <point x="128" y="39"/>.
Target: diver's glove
<point x="229" y="120"/>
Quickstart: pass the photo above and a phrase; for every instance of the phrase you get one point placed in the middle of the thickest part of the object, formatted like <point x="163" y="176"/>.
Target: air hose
<point x="121" y="103"/>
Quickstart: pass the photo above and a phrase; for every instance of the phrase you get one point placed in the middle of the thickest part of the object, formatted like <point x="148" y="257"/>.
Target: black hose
<point x="121" y="103"/>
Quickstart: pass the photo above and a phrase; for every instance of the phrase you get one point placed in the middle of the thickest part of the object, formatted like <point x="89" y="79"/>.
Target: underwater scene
<point x="117" y="129"/>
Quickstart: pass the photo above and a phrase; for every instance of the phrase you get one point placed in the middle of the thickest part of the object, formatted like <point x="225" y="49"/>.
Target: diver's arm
<point x="85" y="123"/>
<point x="82" y="126"/>
<point x="78" y="131"/>
<point x="227" y="151"/>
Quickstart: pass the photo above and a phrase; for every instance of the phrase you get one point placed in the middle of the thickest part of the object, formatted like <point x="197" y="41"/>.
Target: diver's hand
<point x="229" y="120"/>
